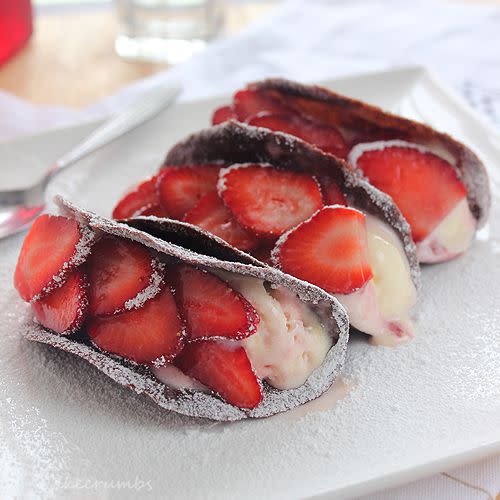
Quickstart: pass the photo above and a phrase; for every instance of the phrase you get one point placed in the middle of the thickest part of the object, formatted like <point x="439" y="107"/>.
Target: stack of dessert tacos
<point x="247" y="248"/>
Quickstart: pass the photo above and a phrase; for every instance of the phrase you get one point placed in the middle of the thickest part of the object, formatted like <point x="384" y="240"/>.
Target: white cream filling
<point x="455" y="232"/>
<point x="173" y="377"/>
<point x="382" y="307"/>
<point x="289" y="344"/>
<point x="451" y="237"/>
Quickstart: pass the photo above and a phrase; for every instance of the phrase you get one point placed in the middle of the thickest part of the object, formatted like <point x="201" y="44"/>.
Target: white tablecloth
<point x="319" y="39"/>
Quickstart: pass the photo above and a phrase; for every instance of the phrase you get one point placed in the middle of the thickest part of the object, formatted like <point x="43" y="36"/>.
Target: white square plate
<point x="68" y="431"/>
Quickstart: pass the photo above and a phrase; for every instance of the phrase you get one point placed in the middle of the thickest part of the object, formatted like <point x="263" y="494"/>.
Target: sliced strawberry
<point x="122" y="275"/>
<point x="63" y="310"/>
<point x="268" y="201"/>
<point x="142" y="335"/>
<point x="332" y="195"/>
<point x="156" y="210"/>
<point x="140" y="198"/>
<point x="211" y="214"/>
<point x="247" y="103"/>
<point x="324" y="137"/>
<point x="210" y="307"/>
<point x="223" y="114"/>
<point x="53" y="247"/>
<point x="223" y="366"/>
<point x="181" y="187"/>
<point x="329" y="250"/>
<point x="424" y="186"/>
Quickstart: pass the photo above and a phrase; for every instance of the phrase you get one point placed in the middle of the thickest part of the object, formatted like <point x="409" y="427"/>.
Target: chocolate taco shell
<point x="222" y="258"/>
<point x="234" y="142"/>
<point x="354" y="117"/>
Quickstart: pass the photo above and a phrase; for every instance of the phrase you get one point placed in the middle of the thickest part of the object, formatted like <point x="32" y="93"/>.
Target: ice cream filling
<point x="451" y="237"/>
<point x="289" y="344"/>
<point x="382" y="306"/>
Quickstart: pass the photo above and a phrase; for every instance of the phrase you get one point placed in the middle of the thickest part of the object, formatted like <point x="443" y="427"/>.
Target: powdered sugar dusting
<point x="224" y="172"/>
<point x="82" y="251"/>
<point x="153" y="288"/>
<point x="359" y="149"/>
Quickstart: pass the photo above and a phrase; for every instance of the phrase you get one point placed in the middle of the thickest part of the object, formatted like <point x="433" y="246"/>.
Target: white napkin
<point x="319" y="39"/>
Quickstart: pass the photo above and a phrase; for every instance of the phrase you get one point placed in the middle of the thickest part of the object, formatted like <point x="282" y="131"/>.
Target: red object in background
<point x="16" y="26"/>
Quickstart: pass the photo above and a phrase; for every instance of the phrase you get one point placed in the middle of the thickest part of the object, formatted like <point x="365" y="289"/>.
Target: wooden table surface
<point x="70" y="59"/>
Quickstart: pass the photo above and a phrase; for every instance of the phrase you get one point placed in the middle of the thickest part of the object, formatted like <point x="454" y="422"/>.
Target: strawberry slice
<point x="63" y="310"/>
<point x="210" y="307"/>
<point x="324" y="137"/>
<point x="329" y="250"/>
<point x="155" y="210"/>
<point x="141" y="198"/>
<point x="181" y="187"/>
<point x="223" y="366"/>
<point x="53" y="247"/>
<point x="423" y="185"/>
<point x="211" y="214"/>
<point x="223" y="114"/>
<point x="123" y="275"/>
<point x="143" y="335"/>
<point x="268" y="201"/>
<point x="332" y="195"/>
<point x="247" y="103"/>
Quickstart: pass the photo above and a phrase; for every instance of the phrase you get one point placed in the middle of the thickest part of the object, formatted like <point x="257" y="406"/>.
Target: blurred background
<point x="72" y="38"/>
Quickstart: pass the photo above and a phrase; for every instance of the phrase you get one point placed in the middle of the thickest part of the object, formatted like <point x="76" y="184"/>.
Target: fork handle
<point x="148" y="106"/>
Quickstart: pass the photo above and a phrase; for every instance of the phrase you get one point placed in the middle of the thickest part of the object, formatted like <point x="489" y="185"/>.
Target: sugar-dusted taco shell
<point x="234" y="142"/>
<point x="177" y="243"/>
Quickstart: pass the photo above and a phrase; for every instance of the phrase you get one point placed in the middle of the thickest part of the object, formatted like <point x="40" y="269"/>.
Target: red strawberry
<point x="223" y="366"/>
<point x="53" y="247"/>
<point x="142" y="197"/>
<point x="329" y="250"/>
<point x="210" y="307"/>
<point x="223" y="114"/>
<point x="211" y="214"/>
<point x="332" y="195"/>
<point x="122" y="275"/>
<point x="63" y="310"/>
<point x="181" y="187"/>
<point x="247" y="103"/>
<point x="268" y="201"/>
<point x="424" y="186"/>
<point x="155" y="210"/>
<point x="142" y="335"/>
<point x="324" y="137"/>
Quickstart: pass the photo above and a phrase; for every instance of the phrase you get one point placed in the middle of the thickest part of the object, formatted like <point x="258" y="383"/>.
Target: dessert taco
<point x="200" y="327"/>
<point x="307" y="213"/>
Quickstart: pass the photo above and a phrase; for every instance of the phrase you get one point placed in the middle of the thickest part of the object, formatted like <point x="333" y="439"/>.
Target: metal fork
<point x="20" y="207"/>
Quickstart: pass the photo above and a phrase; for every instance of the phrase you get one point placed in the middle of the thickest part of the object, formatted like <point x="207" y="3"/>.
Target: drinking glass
<point x="15" y="26"/>
<point x="167" y="31"/>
